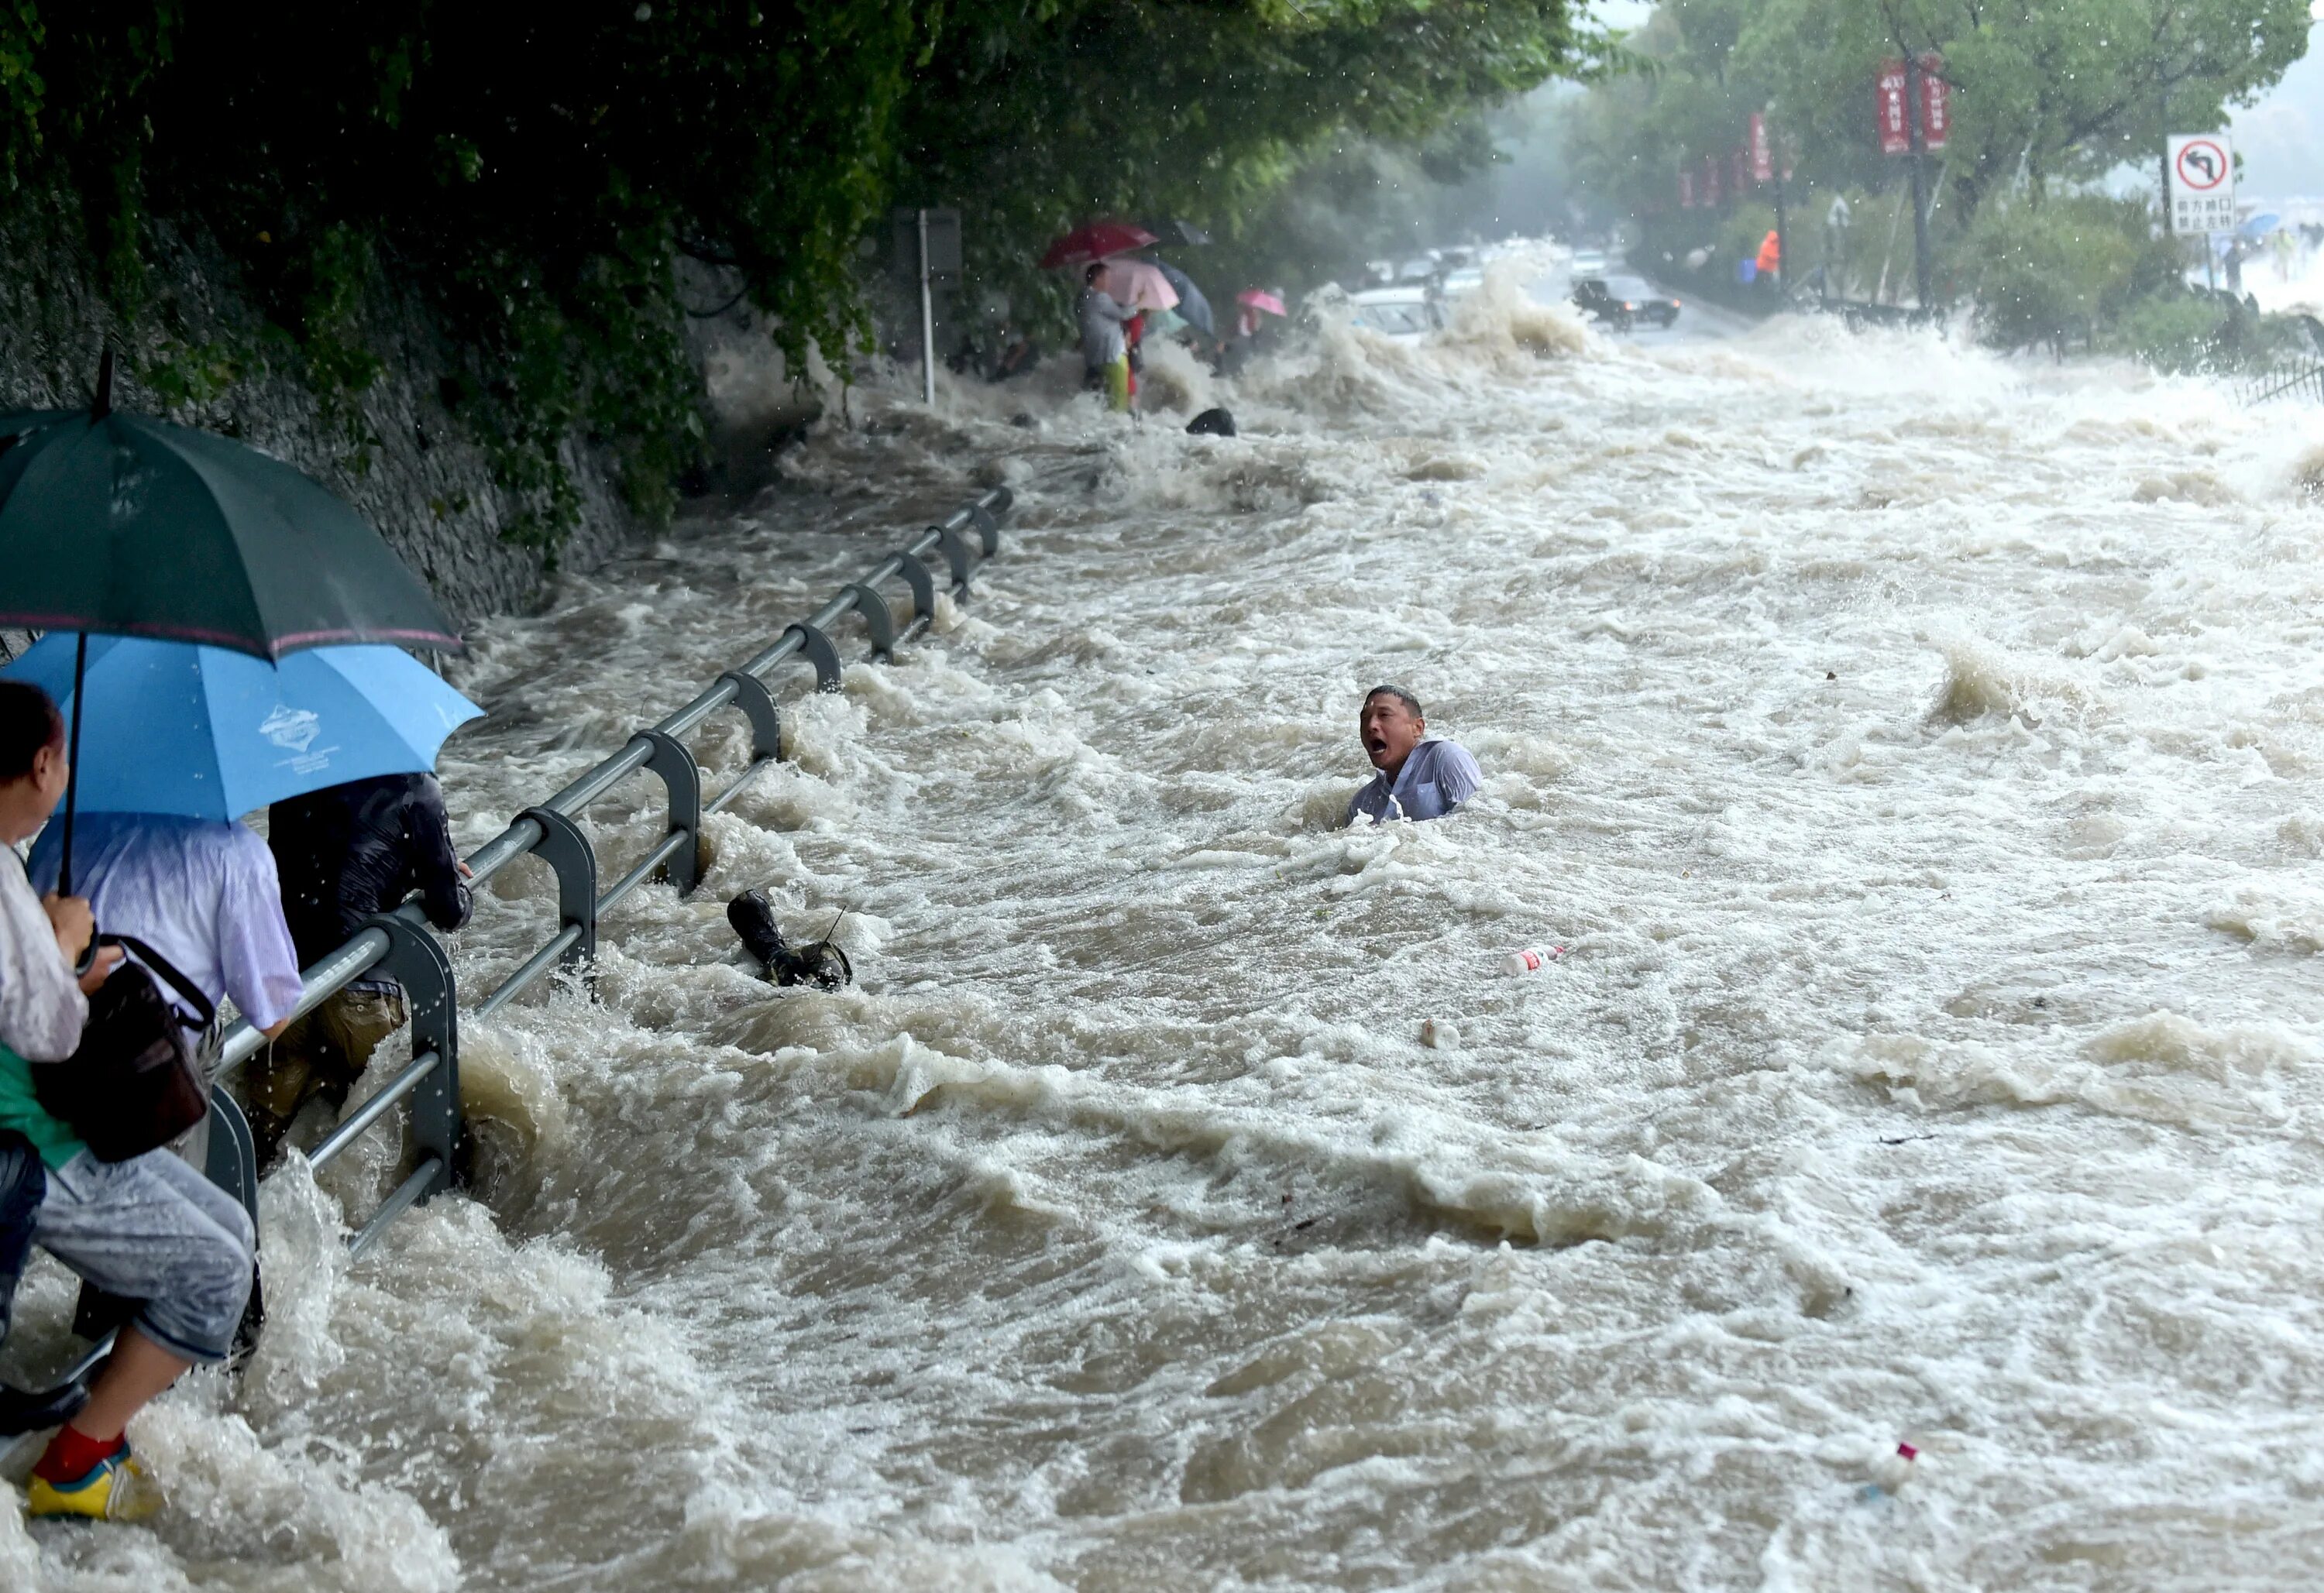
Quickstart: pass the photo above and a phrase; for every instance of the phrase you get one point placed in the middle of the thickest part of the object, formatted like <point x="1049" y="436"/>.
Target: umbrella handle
<point x="72" y="770"/>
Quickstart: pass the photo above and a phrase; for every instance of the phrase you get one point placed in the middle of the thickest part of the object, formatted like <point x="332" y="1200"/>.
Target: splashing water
<point x="1916" y="752"/>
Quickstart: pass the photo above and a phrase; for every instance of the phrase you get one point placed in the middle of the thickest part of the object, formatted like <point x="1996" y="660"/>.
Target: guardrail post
<point x="819" y="651"/>
<point x="988" y="527"/>
<point x="758" y="706"/>
<point x="957" y="554"/>
<point x="415" y="961"/>
<point x="564" y="848"/>
<point x="878" y="618"/>
<point x="683" y="777"/>
<point x="231" y="1159"/>
<point x="923" y="589"/>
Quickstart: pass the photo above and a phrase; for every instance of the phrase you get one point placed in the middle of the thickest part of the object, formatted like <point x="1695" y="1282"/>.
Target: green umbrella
<point x="123" y="523"/>
<point x="131" y="525"/>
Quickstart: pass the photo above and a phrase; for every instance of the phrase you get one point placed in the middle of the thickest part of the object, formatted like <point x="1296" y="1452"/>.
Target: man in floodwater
<point x="1419" y="778"/>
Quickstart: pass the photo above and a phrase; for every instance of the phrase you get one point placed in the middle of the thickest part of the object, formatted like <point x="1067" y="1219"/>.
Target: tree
<point x="535" y="175"/>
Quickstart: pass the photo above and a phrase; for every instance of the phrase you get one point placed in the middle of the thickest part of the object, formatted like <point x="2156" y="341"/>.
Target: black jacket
<point x="347" y="852"/>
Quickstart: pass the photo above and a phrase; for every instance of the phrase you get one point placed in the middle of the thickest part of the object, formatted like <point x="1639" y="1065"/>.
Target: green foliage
<point x="2042" y="88"/>
<point x="2180" y="334"/>
<point x="536" y="175"/>
<point x="2051" y="273"/>
<point x="2046" y="94"/>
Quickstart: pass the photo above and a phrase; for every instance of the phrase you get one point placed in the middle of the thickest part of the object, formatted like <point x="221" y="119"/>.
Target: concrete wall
<point x="428" y="490"/>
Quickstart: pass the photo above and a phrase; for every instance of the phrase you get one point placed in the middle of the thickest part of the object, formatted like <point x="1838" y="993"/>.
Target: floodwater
<point x="1917" y="753"/>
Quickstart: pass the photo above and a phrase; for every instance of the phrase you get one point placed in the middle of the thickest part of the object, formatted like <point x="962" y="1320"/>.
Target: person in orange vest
<point x="1771" y="255"/>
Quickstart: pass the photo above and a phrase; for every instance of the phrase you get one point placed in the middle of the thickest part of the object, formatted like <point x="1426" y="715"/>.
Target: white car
<point x="1396" y="312"/>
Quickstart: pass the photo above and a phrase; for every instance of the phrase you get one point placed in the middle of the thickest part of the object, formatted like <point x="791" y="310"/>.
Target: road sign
<point x="2201" y="167"/>
<point x="1763" y="159"/>
<point x="943" y="244"/>
<point x="1889" y="111"/>
<point x="1936" y="103"/>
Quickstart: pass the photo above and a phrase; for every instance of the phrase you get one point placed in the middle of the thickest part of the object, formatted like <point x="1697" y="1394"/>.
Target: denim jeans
<point x="23" y="1183"/>
<point x="153" y="1228"/>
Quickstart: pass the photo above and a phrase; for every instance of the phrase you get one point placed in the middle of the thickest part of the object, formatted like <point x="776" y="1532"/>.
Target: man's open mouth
<point x="1375" y="745"/>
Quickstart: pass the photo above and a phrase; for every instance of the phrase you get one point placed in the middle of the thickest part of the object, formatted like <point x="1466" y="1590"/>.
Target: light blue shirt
<point x="1436" y="778"/>
<point x="201" y="892"/>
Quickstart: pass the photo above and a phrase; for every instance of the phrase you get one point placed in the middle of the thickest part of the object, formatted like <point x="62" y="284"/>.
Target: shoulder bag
<point x="136" y="1083"/>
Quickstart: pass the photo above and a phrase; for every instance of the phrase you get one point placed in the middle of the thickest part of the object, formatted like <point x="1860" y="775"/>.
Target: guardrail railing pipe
<point x="401" y="945"/>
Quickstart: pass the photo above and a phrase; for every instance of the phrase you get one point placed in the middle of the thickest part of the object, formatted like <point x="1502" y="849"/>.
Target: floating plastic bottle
<point x="1890" y="1473"/>
<point x="1532" y="959"/>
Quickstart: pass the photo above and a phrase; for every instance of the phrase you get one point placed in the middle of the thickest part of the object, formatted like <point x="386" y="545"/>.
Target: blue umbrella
<point x="209" y="733"/>
<point x="1192" y="308"/>
<point x="2259" y="225"/>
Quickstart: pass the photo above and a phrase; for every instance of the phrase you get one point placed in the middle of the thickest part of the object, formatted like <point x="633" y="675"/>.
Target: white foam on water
<point x="1912" y="748"/>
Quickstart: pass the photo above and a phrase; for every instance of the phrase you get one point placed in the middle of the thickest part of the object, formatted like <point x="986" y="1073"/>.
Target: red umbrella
<point x="1095" y="242"/>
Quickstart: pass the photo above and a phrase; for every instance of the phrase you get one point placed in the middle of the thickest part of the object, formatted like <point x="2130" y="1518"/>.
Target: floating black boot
<point x="821" y="964"/>
<point x="753" y="917"/>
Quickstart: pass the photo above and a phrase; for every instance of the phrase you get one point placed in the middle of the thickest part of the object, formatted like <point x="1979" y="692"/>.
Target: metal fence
<point x="402" y="945"/>
<point x="2303" y="383"/>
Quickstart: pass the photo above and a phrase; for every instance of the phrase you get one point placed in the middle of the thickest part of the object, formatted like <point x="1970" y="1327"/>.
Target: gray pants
<point x="154" y="1229"/>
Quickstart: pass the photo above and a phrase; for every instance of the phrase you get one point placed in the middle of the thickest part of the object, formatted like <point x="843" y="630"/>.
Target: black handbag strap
<point x="155" y="961"/>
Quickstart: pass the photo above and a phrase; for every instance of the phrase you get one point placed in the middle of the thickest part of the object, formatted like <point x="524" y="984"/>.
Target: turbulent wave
<point x="1909" y="745"/>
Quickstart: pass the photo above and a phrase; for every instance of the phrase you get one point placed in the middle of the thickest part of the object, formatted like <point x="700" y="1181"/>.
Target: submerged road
<point x="1916" y="751"/>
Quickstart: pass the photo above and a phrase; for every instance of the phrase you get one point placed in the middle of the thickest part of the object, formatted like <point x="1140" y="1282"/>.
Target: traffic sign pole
<point x="1920" y="179"/>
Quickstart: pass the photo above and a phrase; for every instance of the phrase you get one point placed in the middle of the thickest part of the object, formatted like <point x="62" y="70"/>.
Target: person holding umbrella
<point x="1105" y="351"/>
<point x="149" y="1228"/>
<point x="121" y="525"/>
<point x="41" y="1006"/>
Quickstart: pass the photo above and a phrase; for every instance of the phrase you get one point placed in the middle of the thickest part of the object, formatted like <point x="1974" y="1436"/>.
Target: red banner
<point x="1936" y="103"/>
<point x="1763" y="159"/>
<point x="1686" y="191"/>
<point x="1890" y="113"/>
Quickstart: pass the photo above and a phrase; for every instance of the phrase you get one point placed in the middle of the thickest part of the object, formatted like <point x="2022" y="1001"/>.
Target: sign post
<point x="927" y="252"/>
<point x="2201" y="170"/>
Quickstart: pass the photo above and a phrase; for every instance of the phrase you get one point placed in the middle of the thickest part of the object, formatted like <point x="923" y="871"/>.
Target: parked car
<point x="1621" y="302"/>
<point x="1646" y="301"/>
<point x="1396" y="312"/>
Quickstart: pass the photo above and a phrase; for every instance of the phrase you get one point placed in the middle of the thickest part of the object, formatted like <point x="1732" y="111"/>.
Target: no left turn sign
<point x="2201" y="164"/>
<point x="2202" y="170"/>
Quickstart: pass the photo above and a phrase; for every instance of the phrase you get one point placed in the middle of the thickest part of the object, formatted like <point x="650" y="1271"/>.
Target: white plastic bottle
<point x="1532" y="959"/>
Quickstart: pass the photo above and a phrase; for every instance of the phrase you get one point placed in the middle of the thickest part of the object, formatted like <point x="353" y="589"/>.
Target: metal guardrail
<point x="402" y="944"/>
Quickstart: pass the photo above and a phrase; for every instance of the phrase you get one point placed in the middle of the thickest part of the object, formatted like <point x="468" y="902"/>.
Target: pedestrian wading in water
<point x="1420" y="777"/>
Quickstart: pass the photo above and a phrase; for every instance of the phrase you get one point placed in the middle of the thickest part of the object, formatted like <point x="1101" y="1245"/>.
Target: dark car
<point x="1619" y="302"/>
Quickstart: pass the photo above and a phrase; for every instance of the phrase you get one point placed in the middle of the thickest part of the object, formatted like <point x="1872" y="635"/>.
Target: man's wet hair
<point x="1400" y="694"/>
<point x="1096" y="270"/>
<point x="29" y="721"/>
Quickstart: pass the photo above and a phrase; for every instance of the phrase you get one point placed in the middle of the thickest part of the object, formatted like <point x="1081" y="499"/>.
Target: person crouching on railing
<point x="344" y="854"/>
<point x="150" y="1228"/>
